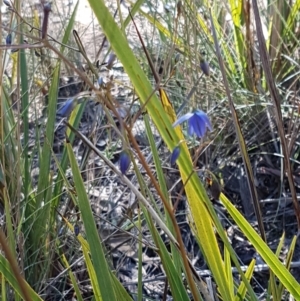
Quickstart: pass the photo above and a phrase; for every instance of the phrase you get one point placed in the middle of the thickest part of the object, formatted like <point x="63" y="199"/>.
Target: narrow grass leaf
<point x="25" y="106"/>
<point x="91" y="271"/>
<point x="45" y="162"/>
<point x="74" y="120"/>
<point x="242" y="290"/>
<point x="174" y="277"/>
<point x="100" y="265"/>
<point x="140" y="257"/>
<point x="288" y="281"/>
<point x="121" y="292"/>
<point x="227" y="262"/>
<point x="7" y="273"/>
<point x="272" y="286"/>
<point x="162" y="184"/>
<point x="287" y="264"/>
<point x="72" y="277"/>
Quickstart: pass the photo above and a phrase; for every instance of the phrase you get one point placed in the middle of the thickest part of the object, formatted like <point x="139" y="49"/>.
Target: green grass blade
<point x="178" y="290"/>
<point x="69" y="28"/>
<point x="72" y="277"/>
<point x="267" y="255"/>
<point x="25" y="104"/>
<point x="273" y="288"/>
<point x="97" y="253"/>
<point x="241" y="292"/>
<point x="227" y="262"/>
<point x="91" y="271"/>
<point x="7" y="273"/>
<point x="288" y="264"/>
<point x="44" y="184"/>
<point x="42" y="214"/>
<point x="121" y="292"/>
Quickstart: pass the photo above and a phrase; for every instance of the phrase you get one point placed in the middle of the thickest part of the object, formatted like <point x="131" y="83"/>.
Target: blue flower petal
<point x="182" y="119"/>
<point x="198" y="125"/>
<point x="66" y="109"/>
<point x="204" y="117"/>
<point x="124" y="162"/>
<point x="191" y="130"/>
<point x="175" y="154"/>
<point x="198" y="122"/>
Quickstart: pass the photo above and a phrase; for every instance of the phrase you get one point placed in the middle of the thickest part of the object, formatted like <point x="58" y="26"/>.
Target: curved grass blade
<point x="7" y="273"/>
<point x="121" y="292"/>
<point x="73" y="279"/>
<point x="91" y="270"/>
<point x="241" y="292"/>
<point x="227" y="262"/>
<point x="272" y="288"/>
<point x="288" y="281"/>
<point x="289" y="258"/>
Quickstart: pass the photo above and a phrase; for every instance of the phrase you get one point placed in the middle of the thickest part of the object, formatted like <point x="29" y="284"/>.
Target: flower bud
<point x="100" y="81"/>
<point x="111" y="59"/>
<point x="124" y="162"/>
<point x="205" y="67"/>
<point x="7" y="3"/>
<point x="76" y="229"/>
<point x="8" y="39"/>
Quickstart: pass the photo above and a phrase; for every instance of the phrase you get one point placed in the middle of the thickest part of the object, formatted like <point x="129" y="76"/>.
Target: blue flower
<point x="175" y="154"/>
<point x="198" y="122"/>
<point x="66" y="109"/>
<point x="124" y="162"/>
